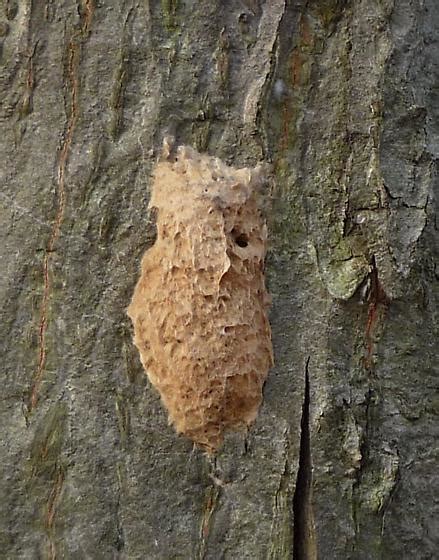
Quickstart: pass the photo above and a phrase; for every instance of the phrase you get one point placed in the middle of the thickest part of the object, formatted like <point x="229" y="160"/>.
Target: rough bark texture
<point x="341" y="96"/>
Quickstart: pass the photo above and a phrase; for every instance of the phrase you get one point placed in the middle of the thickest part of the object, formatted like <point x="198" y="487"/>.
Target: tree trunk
<point x="341" y="97"/>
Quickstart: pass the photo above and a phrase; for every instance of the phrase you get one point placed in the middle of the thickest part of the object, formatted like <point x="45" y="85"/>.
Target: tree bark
<point x="341" y="98"/>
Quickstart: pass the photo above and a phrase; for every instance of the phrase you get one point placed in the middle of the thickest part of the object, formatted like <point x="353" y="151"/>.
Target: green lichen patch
<point x="343" y="277"/>
<point x="169" y="11"/>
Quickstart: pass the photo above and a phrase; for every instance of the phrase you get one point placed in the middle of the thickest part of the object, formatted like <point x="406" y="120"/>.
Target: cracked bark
<point x="304" y="532"/>
<point x="340" y="96"/>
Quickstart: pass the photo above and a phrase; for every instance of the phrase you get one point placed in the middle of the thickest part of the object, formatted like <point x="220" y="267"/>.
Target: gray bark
<point x="341" y="96"/>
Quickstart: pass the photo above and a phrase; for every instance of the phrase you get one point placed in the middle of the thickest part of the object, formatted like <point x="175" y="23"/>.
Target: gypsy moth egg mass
<point x="199" y="309"/>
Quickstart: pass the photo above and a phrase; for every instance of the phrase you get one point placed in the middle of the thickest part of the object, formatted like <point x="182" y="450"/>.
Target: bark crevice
<point x="304" y="536"/>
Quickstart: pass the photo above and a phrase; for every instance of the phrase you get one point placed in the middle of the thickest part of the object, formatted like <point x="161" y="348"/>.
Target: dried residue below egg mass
<point x="200" y="306"/>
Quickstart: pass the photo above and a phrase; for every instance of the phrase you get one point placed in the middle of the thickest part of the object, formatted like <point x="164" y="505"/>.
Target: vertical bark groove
<point x="304" y="533"/>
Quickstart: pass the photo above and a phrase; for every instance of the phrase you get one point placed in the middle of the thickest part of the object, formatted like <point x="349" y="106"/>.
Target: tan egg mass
<point x="199" y="309"/>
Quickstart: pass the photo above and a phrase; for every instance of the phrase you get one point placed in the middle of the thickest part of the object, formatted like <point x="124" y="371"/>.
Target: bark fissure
<point x="304" y="539"/>
<point x="52" y="504"/>
<point x="25" y="104"/>
<point x="73" y="58"/>
<point x="364" y="463"/>
<point x="378" y="303"/>
<point x="210" y="505"/>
